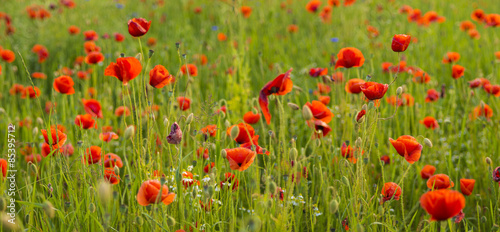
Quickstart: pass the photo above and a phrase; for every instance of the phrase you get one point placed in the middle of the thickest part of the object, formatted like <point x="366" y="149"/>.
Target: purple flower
<point x="175" y="135"/>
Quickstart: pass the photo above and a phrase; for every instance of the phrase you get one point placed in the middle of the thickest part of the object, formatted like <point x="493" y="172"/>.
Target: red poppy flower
<point x="442" y="204"/>
<point x="317" y="72"/>
<point x="240" y="158"/>
<point x="201" y="151"/>
<point x="39" y="75"/>
<point x="73" y="30"/>
<point x="33" y="158"/>
<point x="482" y="111"/>
<point x="467" y="25"/>
<point x="474" y="34"/>
<point x="440" y="181"/>
<point x="90" y="46"/>
<point x="149" y="193"/>
<point x="407" y="147"/>
<point x="57" y="138"/>
<point x="41" y="51"/>
<point x="320" y="111"/>
<point x="111" y="160"/>
<point x="184" y="103"/>
<point x="497" y="55"/>
<point x="373" y="90"/>
<point x="125" y="69"/>
<point x="138" y="27"/>
<point x="16" y="89"/>
<point x="354" y="85"/>
<point x="313" y="6"/>
<point x="281" y="85"/>
<point x="349" y="57"/>
<point x="251" y="118"/>
<point x="122" y="110"/>
<point x="457" y="71"/>
<point x="400" y="42"/>
<point x="360" y="115"/>
<point x="432" y="95"/>
<point x="427" y="171"/>
<point x="92" y="107"/>
<point x="92" y="155"/>
<point x="390" y="191"/>
<point x="110" y="176"/>
<point x="254" y="146"/>
<point x="292" y="28"/>
<point x="478" y="15"/>
<point x="324" y="99"/>
<point x="466" y="186"/>
<point x="221" y="36"/>
<point x="151" y="42"/>
<point x="107" y="136"/>
<point x="474" y="83"/>
<point x="191" y="68"/>
<point x="230" y="182"/>
<point x="421" y="77"/>
<point x="209" y="130"/>
<point x="90" y="35"/>
<point x="245" y="134"/>
<point x="159" y="77"/>
<point x="7" y="55"/>
<point x="85" y="121"/>
<point x="208" y="167"/>
<point x="349" y="152"/>
<point x="94" y="58"/>
<point x="386" y="159"/>
<point x="5" y="166"/>
<point x="430" y="122"/>
<point x="246" y="11"/>
<point x="451" y="57"/>
<point x="320" y="126"/>
<point x="492" y="89"/>
<point x="64" y="85"/>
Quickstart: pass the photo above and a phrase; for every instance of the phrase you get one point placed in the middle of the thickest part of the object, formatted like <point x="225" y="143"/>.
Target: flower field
<point x="249" y="115"/>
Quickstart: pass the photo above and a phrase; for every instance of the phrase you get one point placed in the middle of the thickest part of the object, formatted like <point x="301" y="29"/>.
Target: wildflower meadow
<point x="249" y="115"/>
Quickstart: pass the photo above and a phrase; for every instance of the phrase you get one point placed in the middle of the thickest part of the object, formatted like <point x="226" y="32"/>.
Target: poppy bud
<point x="210" y="190"/>
<point x="235" y="131"/>
<point x="483" y="219"/>
<point x="427" y="142"/>
<point x="117" y="170"/>
<point x="252" y="223"/>
<point x="39" y="121"/>
<point x="171" y="221"/>
<point x="9" y="224"/>
<point x="294" y="153"/>
<point x="334" y="206"/>
<point x="345" y="181"/>
<point x="293" y="106"/>
<point x="371" y="105"/>
<point x="400" y="42"/>
<point x="399" y="90"/>
<point x="488" y="160"/>
<point x="272" y="187"/>
<point x="165" y="121"/>
<point x="227" y="124"/>
<point x="151" y="53"/>
<point x="223" y="153"/>
<point x="122" y="55"/>
<point x="35" y="131"/>
<point x="363" y="107"/>
<point x="139" y="221"/>
<point x="359" y="142"/>
<point x="105" y="192"/>
<point x="92" y="207"/>
<point x="49" y="209"/>
<point x="380" y="210"/>
<point x="189" y="119"/>
<point x="139" y="57"/>
<point x="129" y="132"/>
<point x="306" y="113"/>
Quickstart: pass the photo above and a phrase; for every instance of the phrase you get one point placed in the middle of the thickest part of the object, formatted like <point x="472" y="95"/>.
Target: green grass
<point x="460" y="145"/>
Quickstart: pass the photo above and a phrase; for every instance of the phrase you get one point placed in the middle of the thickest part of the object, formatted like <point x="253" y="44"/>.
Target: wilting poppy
<point x="56" y="139"/>
<point x="111" y="160"/>
<point x="407" y="147"/>
<point x="184" y="103"/>
<point x="240" y="158"/>
<point x="440" y="181"/>
<point x="230" y="182"/>
<point x="251" y="118"/>
<point x="85" y="121"/>
<point x="160" y="77"/>
<point x="374" y="90"/>
<point x="245" y="133"/>
<point x="354" y="85"/>
<point x="92" y="155"/>
<point x="191" y="68"/>
<point x="451" y="57"/>
<point x="7" y="55"/>
<point x="313" y="6"/>
<point x="390" y="191"/>
<point x="5" y="166"/>
<point x="149" y="193"/>
<point x="111" y="176"/>
<point x="92" y="107"/>
<point x="122" y="110"/>
<point x="400" y="42"/>
<point x="432" y="95"/>
<point x="430" y="122"/>
<point x="457" y="71"/>
<point x="320" y="111"/>
<point x="442" y="204"/>
<point x="209" y="130"/>
<point x="125" y="69"/>
<point x="246" y="11"/>
<point x="94" y="58"/>
<point x="175" y="135"/>
<point x="64" y="85"/>
<point x="322" y="128"/>
<point x="281" y="85"/>
<point x="466" y="186"/>
<point x="138" y="27"/>
<point x="349" y="57"/>
<point x="107" y="136"/>
<point x="482" y="111"/>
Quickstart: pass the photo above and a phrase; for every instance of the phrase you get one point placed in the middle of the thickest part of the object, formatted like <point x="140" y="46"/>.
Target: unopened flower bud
<point x="399" y="90"/>
<point x="306" y="113"/>
<point x="129" y="132"/>
<point x="334" y="206"/>
<point x="427" y="142"/>
<point x="189" y="118"/>
<point x="293" y="106"/>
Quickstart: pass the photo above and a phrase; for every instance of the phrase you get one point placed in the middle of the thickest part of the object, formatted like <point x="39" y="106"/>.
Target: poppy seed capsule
<point x="359" y="142"/>
<point x="334" y="206"/>
<point x="488" y="160"/>
<point x="272" y="187"/>
<point x="306" y="113"/>
<point x="49" y="210"/>
<point x="427" y="142"/>
<point x="293" y="106"/>
<point x="294" y="153"/>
